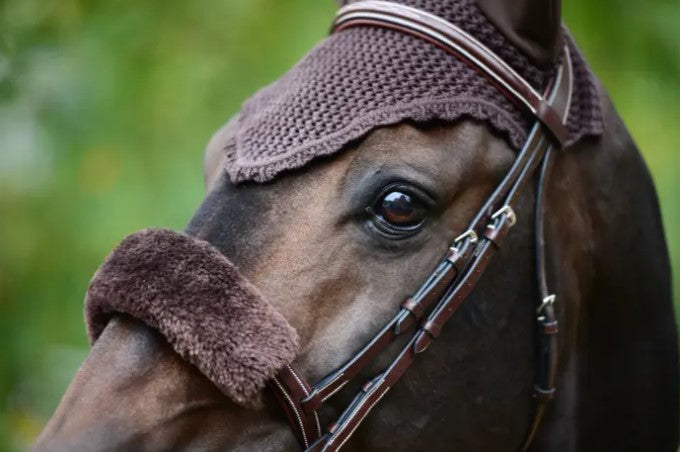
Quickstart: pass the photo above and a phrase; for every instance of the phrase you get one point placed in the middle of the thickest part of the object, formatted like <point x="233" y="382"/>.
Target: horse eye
<point x="398" y="213"/>
<point x="400" y="209"/>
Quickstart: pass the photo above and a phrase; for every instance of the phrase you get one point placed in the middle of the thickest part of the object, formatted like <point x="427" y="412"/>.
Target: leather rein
<point x="459" y="271"/>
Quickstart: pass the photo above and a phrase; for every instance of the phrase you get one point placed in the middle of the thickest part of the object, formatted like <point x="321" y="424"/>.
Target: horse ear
<point x="532" y="25"/>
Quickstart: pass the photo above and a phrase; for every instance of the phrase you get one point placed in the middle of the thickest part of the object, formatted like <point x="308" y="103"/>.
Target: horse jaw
<point x="133" y="392"/>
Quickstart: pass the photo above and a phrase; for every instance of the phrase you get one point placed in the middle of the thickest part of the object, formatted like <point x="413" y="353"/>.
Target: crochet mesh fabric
<point x="366" y="77"/>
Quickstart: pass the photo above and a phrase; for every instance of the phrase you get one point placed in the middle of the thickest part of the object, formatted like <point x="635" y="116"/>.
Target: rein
<point x="459" y="271"/>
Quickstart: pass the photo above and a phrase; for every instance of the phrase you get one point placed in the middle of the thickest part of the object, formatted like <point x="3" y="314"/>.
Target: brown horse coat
<point x="304" y="243"/>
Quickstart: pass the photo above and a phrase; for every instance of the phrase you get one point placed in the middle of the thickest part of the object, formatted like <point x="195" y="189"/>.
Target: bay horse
<point x="617" y="372"/>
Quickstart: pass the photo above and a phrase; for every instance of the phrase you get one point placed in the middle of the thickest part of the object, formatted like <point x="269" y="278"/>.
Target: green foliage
<point x="105" y="107"/>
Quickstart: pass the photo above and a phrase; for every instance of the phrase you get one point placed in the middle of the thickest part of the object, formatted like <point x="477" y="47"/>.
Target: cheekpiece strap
<point x="456" y="275"/>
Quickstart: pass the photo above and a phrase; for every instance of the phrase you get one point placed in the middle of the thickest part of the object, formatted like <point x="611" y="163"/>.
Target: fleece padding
<point x="209" y="313"/>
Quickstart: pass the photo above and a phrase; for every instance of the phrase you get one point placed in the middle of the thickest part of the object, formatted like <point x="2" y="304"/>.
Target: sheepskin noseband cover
<point x="209" y="313"/>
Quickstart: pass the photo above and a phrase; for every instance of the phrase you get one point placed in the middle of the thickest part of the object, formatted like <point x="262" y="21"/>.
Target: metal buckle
<point x="508" y="212"/>
<point x="469" y="234"/>
<point x="549" y="300"/>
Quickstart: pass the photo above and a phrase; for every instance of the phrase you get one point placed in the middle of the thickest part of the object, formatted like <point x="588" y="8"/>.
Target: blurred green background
<point x="106" y="106"/>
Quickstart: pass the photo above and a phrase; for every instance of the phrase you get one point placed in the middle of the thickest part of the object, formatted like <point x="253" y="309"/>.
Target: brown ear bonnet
<point x="366" y="77"/>
<point x="196" y="298"/>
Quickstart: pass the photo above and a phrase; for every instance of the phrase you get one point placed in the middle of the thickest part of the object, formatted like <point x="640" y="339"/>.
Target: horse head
<point x="337" y="243"/>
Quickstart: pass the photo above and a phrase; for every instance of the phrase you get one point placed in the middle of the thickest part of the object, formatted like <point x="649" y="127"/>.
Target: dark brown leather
<point x="402" y="322"/>
<point x="544" y="388"/>
<point x="532" y="25"/>
<point x="414" y="307"/>
<point x="290" y="389"/>
<point x="456" y="275"/>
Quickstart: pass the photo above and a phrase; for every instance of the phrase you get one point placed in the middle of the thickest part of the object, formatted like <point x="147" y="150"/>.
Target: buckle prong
<point x="508" y="212"/>
<point x="469" y="234"/>
<point x="549" y="300"/>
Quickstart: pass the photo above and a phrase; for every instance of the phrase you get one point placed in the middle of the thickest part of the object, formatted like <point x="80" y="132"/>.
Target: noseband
<point x="458" y="273"/>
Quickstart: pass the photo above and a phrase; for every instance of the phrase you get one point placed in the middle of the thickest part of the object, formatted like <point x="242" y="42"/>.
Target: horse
<point x="304" y="241"/>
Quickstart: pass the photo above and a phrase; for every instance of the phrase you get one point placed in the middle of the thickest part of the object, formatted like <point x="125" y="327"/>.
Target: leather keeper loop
<point x="551" y="119"/>
<point x="414" y="307"/>
<point x="311" y="403"/>
<point x="491" y="233"/>
<point x="454" y="258"/>
<point x="433" y="329"/>
<point x="544" y="394"/>
<point x="496" y="232"/>
<point x="550" y="328"/>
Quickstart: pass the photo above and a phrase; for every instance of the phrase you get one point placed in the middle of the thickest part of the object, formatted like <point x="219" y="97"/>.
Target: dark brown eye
<point x="401" y="209"/>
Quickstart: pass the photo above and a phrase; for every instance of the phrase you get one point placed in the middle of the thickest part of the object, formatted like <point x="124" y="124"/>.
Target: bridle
<point x="460" y="270"/>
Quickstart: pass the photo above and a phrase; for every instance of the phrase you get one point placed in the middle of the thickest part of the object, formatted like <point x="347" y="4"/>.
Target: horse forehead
<point x="253" y="214"/>
<point x="422" y="145"/>
<point x="436" y="135"/>
<point x="450" y="153"/>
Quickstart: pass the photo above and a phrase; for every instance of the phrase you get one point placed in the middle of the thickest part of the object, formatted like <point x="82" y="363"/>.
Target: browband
<point x="456" y="41"/>
<point x="457" y="274"/>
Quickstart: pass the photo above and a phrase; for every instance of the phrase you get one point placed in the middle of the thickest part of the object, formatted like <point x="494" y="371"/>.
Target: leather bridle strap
<point x="468" y="256"/>
<point x="455" y="40"/>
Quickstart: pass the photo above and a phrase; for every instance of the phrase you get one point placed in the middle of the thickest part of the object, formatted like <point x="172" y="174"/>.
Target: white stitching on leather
<point x="368" y="396"/>
<point x="349" y="435"/>
<point x="331" y="382"/>
<point x="297" y="378"/>
<point x="304" y="388"/>
<point x="318" y="424"/>
<point x="295" y="410"/>
<point x="330" y="394"/>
